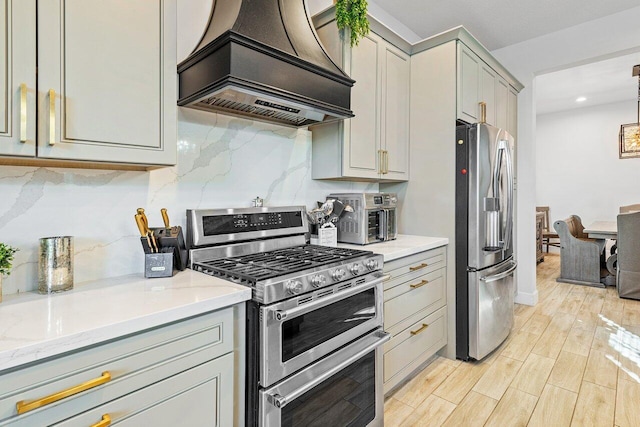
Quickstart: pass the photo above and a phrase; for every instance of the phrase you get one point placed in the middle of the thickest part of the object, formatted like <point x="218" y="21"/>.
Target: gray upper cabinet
<point x="468" y="85"/>
<point x="17" y="77"/>
<point x="479" y="83"/>
<point x="106" y="81"/>
<point x="374" y="145"/>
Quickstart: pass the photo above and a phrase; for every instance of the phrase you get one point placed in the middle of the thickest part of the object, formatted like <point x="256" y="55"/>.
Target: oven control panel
<point x="214" y="225"/>
<point x="319" y="279"/>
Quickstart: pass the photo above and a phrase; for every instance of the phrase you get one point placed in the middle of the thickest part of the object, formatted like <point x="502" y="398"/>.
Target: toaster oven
<point x="374" y="217"/>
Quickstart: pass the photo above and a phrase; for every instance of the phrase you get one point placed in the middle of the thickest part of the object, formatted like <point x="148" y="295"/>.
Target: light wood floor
<point x="572" y="360"/>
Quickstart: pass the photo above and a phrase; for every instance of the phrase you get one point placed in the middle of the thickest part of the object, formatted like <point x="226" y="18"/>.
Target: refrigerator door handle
<point x="509" y="225"/>
<point x="500" y="276"/>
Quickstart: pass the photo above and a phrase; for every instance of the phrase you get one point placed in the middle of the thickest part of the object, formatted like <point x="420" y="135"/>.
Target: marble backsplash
<point x="222" y="162"/>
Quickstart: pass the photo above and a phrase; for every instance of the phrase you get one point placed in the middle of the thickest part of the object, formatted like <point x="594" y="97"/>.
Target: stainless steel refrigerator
<point x="485" y="264"/>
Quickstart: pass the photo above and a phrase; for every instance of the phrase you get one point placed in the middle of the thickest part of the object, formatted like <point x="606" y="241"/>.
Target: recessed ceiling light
<point x="581" y="99"/>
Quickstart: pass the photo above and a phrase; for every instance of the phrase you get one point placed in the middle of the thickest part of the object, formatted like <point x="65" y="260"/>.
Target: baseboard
<point x="526" y="298"/>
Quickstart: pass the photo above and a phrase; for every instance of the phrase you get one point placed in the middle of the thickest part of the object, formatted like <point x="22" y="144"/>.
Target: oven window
<point x="348" y="398"/>
<point x="305" y="332"/>
<point x="374" y="225"/>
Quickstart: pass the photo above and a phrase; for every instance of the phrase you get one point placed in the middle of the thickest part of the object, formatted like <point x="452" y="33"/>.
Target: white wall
<point x="595" y="182"/>
<point x="377" y="12"/>
<point x="222" y="162"/>
<point x="583" y="43"/>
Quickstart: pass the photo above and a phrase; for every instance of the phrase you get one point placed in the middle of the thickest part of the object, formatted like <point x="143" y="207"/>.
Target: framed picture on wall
<point x="629" y="141"/>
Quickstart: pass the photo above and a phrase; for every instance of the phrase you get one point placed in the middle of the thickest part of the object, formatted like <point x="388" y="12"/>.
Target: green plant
<point x="6" y="256"/>
<point x="353" y="14"/>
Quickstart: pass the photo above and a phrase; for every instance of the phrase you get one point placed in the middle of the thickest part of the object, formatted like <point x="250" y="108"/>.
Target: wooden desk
<point x="602" y="230"/>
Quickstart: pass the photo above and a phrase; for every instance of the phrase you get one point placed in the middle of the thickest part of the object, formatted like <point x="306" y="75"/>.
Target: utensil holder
<point x="159" y="264"/>
<point x="55" y="264"/>
<point x="327" y="236"/>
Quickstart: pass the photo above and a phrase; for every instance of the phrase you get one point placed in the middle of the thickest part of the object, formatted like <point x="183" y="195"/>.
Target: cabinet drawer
<point x="196" y="397"/>
<point x="413" y="266"/>
<point x="406" y="299"/>
<point x="414" y="342"/>
<point x="132" y="363"/>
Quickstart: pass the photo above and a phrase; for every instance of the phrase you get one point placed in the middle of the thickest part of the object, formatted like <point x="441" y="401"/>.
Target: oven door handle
<point x="281" y="315"/>
<point x="365" y="345"/>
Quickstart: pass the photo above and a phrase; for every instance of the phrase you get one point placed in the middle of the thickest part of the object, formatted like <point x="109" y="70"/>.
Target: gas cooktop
<point x="264" y="248"/>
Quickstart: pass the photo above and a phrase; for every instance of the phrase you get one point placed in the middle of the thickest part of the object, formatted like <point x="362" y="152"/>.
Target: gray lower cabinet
<point x="196" y="397"/>
<point x="415" y="313"/>
<point x="186" y="373"/>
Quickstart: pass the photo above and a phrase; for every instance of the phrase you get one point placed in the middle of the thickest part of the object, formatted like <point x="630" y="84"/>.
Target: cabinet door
<point x="107" y="80"/>
<point x="17" y="77"/>
<point x="488" y="92"/>
<point x="362" y="139"/>
<point x="468" y="88"/>
<point x="512" y="113"/>
<point x="200" y="396"/>
<point x="395" y="106"/>
<point x="502" y="100"/>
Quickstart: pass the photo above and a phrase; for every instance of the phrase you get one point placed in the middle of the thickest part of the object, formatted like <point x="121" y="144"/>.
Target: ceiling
<point x="601" y="82"/>
<point x="499" y="23"/>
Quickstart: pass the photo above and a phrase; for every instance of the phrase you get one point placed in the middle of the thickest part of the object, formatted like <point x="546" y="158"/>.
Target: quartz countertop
<point x="34" y="326"/>
<point x="403" y="246"/>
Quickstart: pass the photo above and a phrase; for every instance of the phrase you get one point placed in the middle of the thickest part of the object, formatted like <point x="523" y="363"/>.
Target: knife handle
<point x="154" y="241"/>
<point x="140" y="212"/>
<point x="143" y="230"/>
<point x="165" y="218"/>
<point x="141" y="225"/>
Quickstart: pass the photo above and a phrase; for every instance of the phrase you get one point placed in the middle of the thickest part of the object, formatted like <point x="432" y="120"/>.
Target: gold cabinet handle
<point x="24" y="406"/>
<point x="483" y="112"/>
<point x="381" y="161"/>
<point x="422" y="329"/>
<point x="386" y="277"/>
<point x="419" y="285"/>
<point x="386" y="162"/>
<point x="52" y="117"/>
<point x="418" y="267"/>
<point x="106" y="421"/>
<point x="23" y="112"/>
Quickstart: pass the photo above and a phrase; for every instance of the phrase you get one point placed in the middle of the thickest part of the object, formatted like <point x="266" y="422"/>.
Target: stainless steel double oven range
<point x="314" y="325"/>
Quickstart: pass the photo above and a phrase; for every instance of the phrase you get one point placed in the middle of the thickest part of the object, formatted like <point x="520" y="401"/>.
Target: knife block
<point x="169" y="240"/>
<point x="159" y="264"/>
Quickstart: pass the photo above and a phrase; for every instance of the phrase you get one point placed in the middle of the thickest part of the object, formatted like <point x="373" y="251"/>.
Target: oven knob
<point x="294" y="286"/>
<point x="372" y="264"/>
<point x="356" y="269"/>
<point x="338" y="274"/>
<point x="318" y="280"/>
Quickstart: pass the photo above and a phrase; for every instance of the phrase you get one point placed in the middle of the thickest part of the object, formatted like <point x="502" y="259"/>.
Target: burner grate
<point x="252" y="268"/>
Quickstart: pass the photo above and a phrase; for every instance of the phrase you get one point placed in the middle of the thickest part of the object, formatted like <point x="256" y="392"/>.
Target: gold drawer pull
<point x="23" y="112"/>
<point x="386" y="277"/>
<point x="422" y="328"/>
<point x="418" y="267"/>
<point x="24" y="406"/>
<point x="419" y="285"/>
<point x="106" y="421"/>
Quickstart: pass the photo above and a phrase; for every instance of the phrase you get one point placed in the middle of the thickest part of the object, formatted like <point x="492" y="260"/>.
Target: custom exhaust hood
<point x="261" y="59"/>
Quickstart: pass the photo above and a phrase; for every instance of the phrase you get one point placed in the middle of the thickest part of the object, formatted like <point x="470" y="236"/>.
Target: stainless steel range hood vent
<point x="262" y="60"/>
